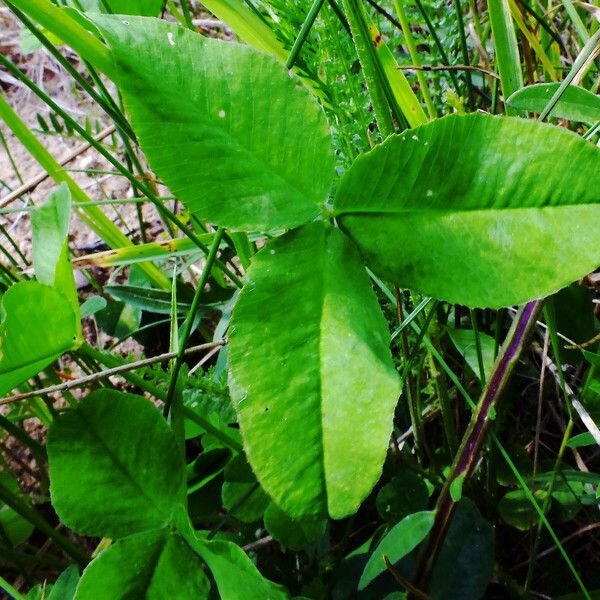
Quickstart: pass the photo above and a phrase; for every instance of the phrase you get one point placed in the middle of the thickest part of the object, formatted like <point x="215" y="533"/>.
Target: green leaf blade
<point x="107" y="478"/>
<point x="236" y="576"/>
<point x="27" y="343"/>
<point x="501" y="215"/>
<point x="50" y="228"/>
<point x="152" y="565"/>
<point x="50" y="245"/>
<point x="575" y="103"/>
<point x="399" y="541"/>
<point x="305" y="387"/>
<point x="238" y="140"/>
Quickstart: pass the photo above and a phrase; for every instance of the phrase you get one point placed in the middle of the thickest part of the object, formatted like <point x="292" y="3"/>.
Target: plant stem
<point x="71" y="32"/>
<point x="304" y="30"/>
<point x="92" y="216"/>
<point x="414" y="57"/>
<point x="441" y="388"/>
<point x="36" y="449"/>
<point x="160" y="393"/>
<point x="464" y="50"/>
<point x="549" y="315"/>
<point x="31" y="515"/>
<point x="474" y="437"/>
<point x="579" y="63"/>
<point x="411" y="390"/>
<point x="10" y="590"/>
<point x="372" y="70"/>
<point x="187" y="327"/>
<point x="117" y="369"/>
<point x="438" y="43"/>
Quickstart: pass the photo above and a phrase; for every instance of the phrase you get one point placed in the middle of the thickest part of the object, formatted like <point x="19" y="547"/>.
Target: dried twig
<point x="35" y="181"/>
<point x="108" y="372"/>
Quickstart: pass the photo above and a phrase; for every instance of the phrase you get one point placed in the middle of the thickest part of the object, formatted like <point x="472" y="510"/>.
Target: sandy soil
<point x="47" y="74"/>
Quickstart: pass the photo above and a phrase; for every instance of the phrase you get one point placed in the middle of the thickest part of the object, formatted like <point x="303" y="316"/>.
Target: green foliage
<point x="576" y="103"/>
<point x="106" y="479"/>
<point x="26" y="345"/>
<point x="398" y="542"/>
<point x="406" y="493"/>
<point x="271" y="162"/>
<point x="494" y="226"/>
<point x="151" y="565"/>
<point x="307" y="409"/>
<point x="474" y="209"/>
<point x="466" y="340"/>
<point x="291" y="533"/>
<point x="66" y="585"/>
<point x="516" y="510"/>
<point x="466" y="559"/>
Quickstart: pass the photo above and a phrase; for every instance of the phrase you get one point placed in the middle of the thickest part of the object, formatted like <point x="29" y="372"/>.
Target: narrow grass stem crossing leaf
<point x="311" y="373"/>
<point x="241" y="143"/>
<point x="115" y="467"/>
<point x="575" y="103"/>
<point x="153" y="565"/>
<point x="478" y="210"/>
<point x="27" y="343"/>
<point x="506" y="48"/>
<point x="465" y="341"/>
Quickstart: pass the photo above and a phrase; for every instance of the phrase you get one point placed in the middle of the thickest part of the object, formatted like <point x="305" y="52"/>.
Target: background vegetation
<point x="156" y="281"/>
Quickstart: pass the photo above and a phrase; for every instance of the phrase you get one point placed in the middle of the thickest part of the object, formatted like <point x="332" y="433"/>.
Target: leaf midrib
<point x="195" y="115"/>
<point x="449" y="212"/>
<point x="152" y="502"/>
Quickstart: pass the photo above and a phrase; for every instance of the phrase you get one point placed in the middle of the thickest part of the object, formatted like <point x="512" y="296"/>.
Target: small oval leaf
<point x="106" y="478"/>
<point x="399" y="541"/>
<point x="575" y="104"/>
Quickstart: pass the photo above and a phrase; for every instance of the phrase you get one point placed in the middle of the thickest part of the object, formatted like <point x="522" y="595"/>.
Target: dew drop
<point x="221" y="114"/>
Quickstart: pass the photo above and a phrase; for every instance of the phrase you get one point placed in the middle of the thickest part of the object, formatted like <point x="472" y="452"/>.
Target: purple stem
<point x="474" y="437"/>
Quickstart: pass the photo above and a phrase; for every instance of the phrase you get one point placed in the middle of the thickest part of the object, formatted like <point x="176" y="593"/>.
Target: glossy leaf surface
<point x="240" y="142"/>
<point x="575" y="104"/>
<point x="27" y="344"/>
<point x="115" y="467"/>
<point x="235" y="574"/>
<point x="311" y="373"/>
<point x="475" y="209"/>
<point x="152" y="565"/>
<point x="398" y="542"/>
